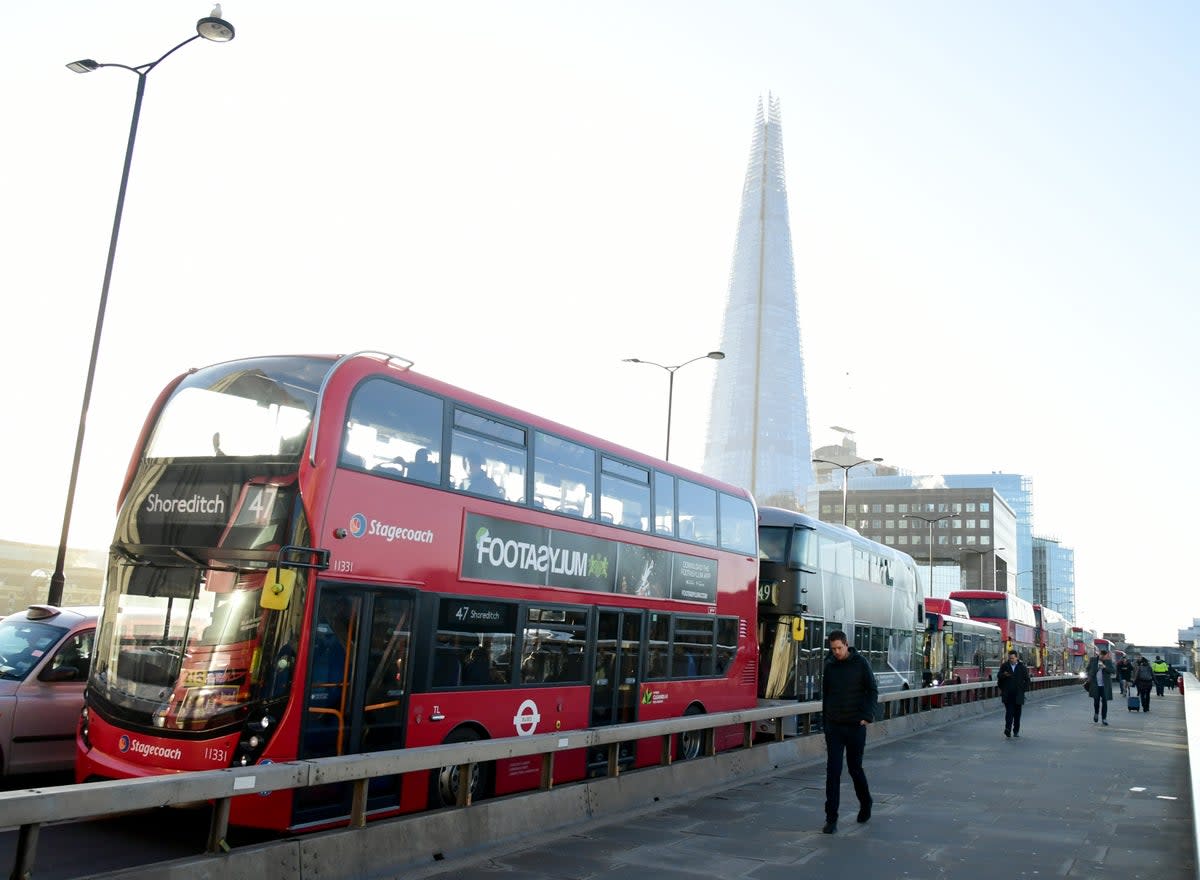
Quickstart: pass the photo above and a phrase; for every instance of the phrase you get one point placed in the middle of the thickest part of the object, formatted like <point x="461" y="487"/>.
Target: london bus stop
<point x="1070" y="798"/>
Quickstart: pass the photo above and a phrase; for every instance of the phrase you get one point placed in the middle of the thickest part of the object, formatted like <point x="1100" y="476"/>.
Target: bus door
<point x="357" y="691"/>
<point x="616" y="680"/>
<point x="811" y="665"/>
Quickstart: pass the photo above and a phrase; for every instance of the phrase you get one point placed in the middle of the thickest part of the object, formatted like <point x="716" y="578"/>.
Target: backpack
<point x="1144" y="674"/>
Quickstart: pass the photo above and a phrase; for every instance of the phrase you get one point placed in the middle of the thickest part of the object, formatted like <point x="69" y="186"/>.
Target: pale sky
<point x="992" y="210"/>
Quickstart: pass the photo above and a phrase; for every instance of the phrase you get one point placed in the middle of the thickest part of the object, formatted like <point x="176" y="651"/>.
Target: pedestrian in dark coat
<point x="1124" y="674"/>
<point x="849" y="694"/>
<point x="1100" y="674"/>
<point x="1143" y="680"/>
<point x="1012" y="679"/>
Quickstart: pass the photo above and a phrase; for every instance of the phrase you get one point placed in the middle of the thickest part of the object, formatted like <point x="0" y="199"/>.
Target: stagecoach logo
<point x="359" y="526"/>
<point x="147" y="750"/>
<point x="527" y="718"/>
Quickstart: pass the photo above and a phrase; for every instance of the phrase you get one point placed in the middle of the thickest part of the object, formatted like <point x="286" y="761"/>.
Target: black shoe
<point x="1095" y="718"/>
<point x="1105" y="723"/>
<point x="829" y="827"/>
<point x="1007" y="733"/>
<point x="1018" y="736"/>
<point x="864" y="814"/>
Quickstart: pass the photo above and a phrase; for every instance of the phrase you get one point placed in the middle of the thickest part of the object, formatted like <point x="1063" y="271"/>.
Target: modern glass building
<point x="758" y="415"/>
<point x="1054" y="576"/>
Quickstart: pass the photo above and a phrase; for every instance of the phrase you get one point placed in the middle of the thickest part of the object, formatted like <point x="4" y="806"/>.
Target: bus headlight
<point x="253" y="741"/>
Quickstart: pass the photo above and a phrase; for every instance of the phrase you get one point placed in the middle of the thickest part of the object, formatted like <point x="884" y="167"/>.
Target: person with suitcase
<point x="1143" y="681"/>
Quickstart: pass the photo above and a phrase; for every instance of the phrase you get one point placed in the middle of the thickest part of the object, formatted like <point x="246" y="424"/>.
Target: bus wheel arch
<point x="691" y="742"/>
<point x="443" y="782"/>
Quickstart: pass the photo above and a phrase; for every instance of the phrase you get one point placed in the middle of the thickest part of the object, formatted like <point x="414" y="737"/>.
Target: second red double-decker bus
<point x="321" y="556"/>
<point x="1014" y="616"/>
<point x="1081" y="648"/>
<point x="1053" y="641"/>
<point x="958" y="649"/>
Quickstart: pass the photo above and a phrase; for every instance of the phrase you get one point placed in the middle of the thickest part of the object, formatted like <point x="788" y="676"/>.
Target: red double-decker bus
<point x="1014" y="616"/>
<point x="958" y="649"/>
<point x="321" y="556"/>
<point x="1053" y="642"/>
<point x="1081" y="640"/>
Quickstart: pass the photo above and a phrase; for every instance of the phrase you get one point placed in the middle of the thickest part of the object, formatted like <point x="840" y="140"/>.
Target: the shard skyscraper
<point x="758" y="417"/>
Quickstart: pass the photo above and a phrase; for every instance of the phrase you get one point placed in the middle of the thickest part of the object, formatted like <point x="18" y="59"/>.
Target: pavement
<point x="1069" y="798"/>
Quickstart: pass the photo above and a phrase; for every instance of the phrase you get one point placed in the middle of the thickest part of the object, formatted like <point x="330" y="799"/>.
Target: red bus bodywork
<point x="394" y="573"/>
<point x="1053" y="642"/>
<point x="1012" y="614"/>
<point x="958" y="649"/>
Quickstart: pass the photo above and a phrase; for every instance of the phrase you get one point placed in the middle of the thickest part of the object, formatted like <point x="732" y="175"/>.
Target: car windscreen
<point x="23" y="643"/>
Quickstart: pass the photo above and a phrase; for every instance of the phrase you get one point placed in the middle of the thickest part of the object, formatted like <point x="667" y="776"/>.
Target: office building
<point x="961" y="539"/>
<point x="1054" y="576"/>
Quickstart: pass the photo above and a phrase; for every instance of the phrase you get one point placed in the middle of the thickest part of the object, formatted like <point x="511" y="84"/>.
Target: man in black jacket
<point x="1012" y="680"/>
<point x="848" y="697"/>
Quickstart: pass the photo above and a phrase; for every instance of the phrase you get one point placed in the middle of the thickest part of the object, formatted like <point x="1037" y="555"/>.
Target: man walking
<point x="848" y="697"/>
<point x="1099" y="675"/>
<point x="1159" y="668"/>
<point x="1013" y="680"/>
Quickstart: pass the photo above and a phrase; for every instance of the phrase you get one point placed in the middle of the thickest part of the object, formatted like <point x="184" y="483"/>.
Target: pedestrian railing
<point x="30" y="809"/>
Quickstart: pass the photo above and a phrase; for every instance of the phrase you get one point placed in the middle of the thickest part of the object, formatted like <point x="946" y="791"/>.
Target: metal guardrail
<point x="29" y="809"/>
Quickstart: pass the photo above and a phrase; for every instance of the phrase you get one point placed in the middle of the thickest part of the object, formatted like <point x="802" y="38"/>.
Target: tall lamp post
<point x="845" y="476"/>
<point x="930" y="521"/>
<point x="981" y="554"/>
<point x="712" y="355"/>
<point x="213" y="28"/>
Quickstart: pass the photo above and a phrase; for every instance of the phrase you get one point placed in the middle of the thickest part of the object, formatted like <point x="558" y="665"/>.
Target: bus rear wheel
<point x="444" y="783"/>
<point x="691" y="742"/>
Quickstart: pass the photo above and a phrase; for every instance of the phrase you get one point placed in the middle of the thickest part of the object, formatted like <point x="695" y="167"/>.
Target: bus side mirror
<point x="277" y="588"/>
<point x="798" y="629"/>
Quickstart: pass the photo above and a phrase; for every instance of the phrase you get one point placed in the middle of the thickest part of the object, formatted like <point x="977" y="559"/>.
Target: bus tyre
<point x="444" y="783"/>
<point x="691" y="742"/>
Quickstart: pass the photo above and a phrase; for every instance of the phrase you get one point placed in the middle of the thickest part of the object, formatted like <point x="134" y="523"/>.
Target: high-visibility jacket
<point x="1159" y="667"/>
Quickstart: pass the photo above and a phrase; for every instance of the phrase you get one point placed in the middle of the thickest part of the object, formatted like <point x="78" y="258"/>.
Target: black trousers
<point x="1012" y="716"/>
<point x="850" y="739"/>
<point x="1144" y="693"/>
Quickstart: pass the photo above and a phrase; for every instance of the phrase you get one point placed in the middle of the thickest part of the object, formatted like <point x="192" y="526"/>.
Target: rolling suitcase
<point x="1134" y="702"/>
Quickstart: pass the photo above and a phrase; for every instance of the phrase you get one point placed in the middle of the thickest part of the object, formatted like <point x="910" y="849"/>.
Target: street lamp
<point x="845" y="476"/>
<point x="926" y="519"/>
<point x="981" y="554"/>
<point x="713" y="355"/>
<point x="217" y="30"/>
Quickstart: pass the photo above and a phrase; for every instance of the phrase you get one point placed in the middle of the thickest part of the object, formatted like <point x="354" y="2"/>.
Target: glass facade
<point x="1054" y="576"/>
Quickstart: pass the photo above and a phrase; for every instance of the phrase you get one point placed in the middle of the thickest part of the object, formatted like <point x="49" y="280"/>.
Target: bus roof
<point x="946" y="607"/>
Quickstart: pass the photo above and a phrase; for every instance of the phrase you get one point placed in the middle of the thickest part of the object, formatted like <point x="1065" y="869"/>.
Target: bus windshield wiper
<point x="129" y="556"/>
